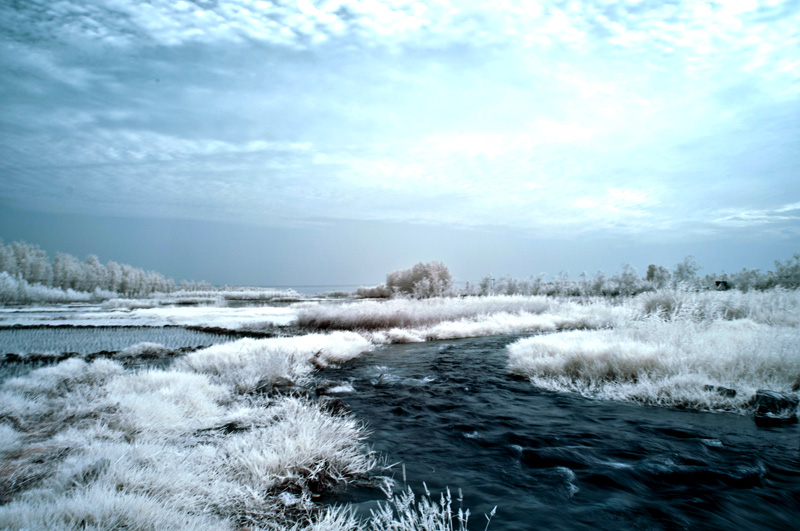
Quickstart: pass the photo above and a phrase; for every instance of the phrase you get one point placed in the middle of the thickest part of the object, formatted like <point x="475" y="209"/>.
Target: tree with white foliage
<point x="686" y="272"/>
<point x="28" y="268"/>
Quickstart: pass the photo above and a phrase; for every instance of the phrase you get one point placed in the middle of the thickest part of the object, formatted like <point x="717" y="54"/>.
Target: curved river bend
<point x="454" y="417"/>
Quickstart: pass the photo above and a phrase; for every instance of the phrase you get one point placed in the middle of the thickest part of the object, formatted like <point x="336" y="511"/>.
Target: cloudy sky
<point x="328" y="141"/>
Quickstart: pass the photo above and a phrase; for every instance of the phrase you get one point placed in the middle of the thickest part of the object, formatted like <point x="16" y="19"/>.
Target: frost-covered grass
<point x="776" y="307"/>
<point x="93" y="445"/>
<point x="683" y="362"/>
<point x="212" y="443"/>
<point x="203" y="445"/>
<point x="249" y="364"/>
<point x="412" y="313"/>
<point x="404" y="513"/>
<point x="412" y="320"/>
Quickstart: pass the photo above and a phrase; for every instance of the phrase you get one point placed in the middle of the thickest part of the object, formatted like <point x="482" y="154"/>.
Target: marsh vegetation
<point x="233" y="433"/>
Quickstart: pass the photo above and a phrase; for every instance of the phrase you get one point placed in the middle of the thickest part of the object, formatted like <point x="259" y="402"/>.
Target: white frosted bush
<point x="381" y="291"/>
<point x="431" y="279"/>
<point x="19" y="291"/>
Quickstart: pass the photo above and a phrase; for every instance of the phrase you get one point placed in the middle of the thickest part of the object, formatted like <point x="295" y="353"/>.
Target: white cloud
<point x="587" y="116"/>
<point x="699" y="28"/>
<point x="755" y="217"/>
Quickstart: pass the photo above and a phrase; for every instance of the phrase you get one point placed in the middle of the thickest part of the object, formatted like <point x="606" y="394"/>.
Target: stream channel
<point x="452" y="415"/>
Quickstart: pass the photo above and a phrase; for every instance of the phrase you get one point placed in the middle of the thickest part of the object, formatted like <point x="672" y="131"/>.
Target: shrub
<point x="424" y="280"/>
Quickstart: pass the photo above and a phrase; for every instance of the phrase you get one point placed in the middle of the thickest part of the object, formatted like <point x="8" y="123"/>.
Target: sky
<point x="326" y="142"/>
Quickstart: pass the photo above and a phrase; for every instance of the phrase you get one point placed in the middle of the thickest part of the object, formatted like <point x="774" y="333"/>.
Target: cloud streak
<point x="633" y="118"/>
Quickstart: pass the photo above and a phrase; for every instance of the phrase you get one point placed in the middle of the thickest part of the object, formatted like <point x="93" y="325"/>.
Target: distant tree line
<point x="26" y="266"/>
<point x="433" y="279"/>
<point x="628" y="282"/>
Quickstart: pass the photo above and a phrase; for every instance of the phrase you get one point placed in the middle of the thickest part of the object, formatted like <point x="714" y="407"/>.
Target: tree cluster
<point x="29" y="263"/>
<point x="423" y="280"/>
<point x="627" y="283"/>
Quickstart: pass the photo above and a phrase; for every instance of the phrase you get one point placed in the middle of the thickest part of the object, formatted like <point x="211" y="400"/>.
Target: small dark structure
<point x="721" y="285"/>
<point x="774" y="409"/>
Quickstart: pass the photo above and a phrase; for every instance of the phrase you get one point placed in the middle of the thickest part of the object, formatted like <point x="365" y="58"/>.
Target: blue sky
<point x="518" y="137"/>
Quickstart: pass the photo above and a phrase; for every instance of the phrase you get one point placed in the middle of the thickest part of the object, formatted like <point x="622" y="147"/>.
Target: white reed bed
<point x="411" y="313"/>
<point x="413" y="320"/>
<point x="680" y="362"/>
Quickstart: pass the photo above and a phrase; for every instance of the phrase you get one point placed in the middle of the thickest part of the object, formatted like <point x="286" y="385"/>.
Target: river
<point x="452" y="416"/>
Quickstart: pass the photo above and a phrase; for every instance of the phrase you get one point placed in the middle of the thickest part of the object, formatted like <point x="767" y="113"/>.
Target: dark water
<point x="90" y="339"/>
<point x="56" y="343"/>
<point x="548" y="461"/>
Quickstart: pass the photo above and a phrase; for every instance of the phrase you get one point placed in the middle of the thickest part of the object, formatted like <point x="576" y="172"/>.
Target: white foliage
<point x="130" y="342"/>
<point x="431" y="279"/>
<point x="779" y="307"/>
<point x="65" y="376"/>
<point x="200" y="316"/>
<point x="20" y="291"/>
<point x="404" y="513"/>
<point x="381" y="291"/>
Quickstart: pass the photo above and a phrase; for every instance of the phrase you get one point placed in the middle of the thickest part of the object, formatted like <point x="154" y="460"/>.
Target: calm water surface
<point x="454" y="417"/>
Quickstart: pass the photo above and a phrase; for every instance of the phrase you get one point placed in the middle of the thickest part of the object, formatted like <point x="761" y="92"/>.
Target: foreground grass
<point x="95" y="446"/>
<point x="204" y="445"/>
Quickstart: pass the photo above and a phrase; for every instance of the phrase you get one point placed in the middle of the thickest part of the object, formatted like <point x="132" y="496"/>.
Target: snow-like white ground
<point x="95" y="315"/>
